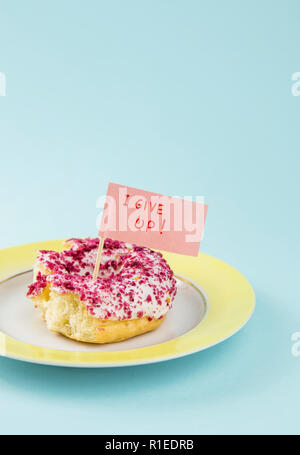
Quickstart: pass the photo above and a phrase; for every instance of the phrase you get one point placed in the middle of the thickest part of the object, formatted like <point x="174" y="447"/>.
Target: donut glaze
<point x="133" y="282"/>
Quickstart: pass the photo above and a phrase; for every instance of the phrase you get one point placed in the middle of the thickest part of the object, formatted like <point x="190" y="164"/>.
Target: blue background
<point x="181" y="98"/>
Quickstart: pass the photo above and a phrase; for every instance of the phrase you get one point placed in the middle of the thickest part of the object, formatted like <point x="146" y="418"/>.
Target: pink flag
<point x="153" y="220"/>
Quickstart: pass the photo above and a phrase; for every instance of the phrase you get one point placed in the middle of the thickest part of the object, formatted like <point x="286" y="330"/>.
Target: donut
<point x="134" y="290"/>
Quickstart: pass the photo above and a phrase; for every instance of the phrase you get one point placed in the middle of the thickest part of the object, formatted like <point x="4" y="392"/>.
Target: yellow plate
<point x="231" y="304"/>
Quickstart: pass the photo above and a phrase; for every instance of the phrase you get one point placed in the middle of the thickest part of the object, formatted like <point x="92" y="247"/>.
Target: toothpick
<point x="97" y="265"/>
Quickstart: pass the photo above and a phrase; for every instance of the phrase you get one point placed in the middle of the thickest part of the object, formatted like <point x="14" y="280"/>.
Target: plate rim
<point x="9" y="346"/>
